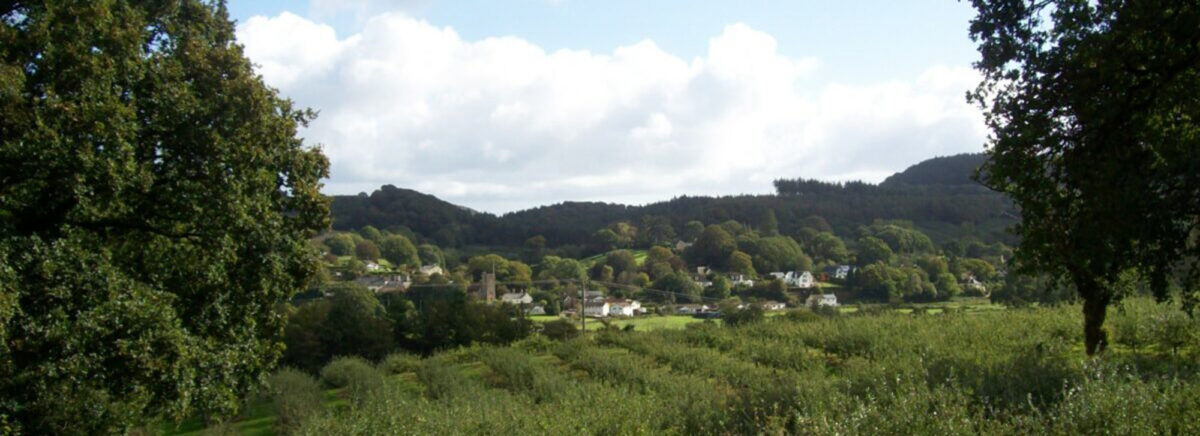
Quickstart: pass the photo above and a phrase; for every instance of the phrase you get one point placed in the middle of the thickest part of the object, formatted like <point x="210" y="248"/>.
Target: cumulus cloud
<point x="500" y="124"/>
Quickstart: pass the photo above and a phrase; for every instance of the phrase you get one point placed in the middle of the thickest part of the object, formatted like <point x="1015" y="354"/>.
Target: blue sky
<point x="759" y="89"/>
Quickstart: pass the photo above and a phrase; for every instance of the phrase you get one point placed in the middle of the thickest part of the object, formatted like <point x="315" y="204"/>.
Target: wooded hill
<point x="937" y="196"/>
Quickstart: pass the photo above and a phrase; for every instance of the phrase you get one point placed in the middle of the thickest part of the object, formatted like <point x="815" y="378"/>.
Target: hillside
<point x="937" y="195"/>
<point x="949" y="170"/>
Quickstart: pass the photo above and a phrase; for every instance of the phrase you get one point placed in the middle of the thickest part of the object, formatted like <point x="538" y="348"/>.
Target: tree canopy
<point x="1094" y="119"/>
<point x="155" y="205"/>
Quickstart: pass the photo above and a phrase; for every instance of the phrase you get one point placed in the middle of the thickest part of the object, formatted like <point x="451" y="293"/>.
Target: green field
<point x="641" y="323"/>
<point x="981" y="371"/>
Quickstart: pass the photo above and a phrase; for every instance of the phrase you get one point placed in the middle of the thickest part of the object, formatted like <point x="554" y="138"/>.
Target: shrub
<point x="399" y="362"/>
<point x="295" y="396"/>
<point x="560" y="329"/>
<point x="353" y="373"/>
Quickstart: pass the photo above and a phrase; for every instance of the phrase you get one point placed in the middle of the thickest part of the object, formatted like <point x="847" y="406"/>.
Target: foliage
<point x="560" y="329"/>
<point x="295" y="396"/>
<point x="735" y="317"/>
<point x="142" y="163"/>
<point x="873" y="250"/>
<point x="399" y="362"/>
<point x="1078" y="96"/>
<point x="398" y="250"/>
<point x="358" y="376"/>
<point x="367" y="250"/>
<point x="712" y="248"/>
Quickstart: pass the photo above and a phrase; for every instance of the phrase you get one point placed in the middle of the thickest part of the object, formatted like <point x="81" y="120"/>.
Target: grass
<point x="642" y="323"/>
<point x="994" y="372"/>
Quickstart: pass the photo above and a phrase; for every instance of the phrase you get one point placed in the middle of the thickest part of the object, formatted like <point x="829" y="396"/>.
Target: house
<point x="974" y="285"/>
<point x="372" y="266"/>
<point x="821" y="300"/>
<point x="680" y="246"/>
<point x="535" y="310"/>
<point x="517" y="298"/>
<point x="795" y="279"/>
<point x="596" y="309"/>
<point x="622" y="307"/>
<point x="385" y="283"/>
<point x="428" y="270"/>
<point x="839" y="272"/>
<point x="802" y="280"/>
<point x="772" y="305"/>
<point x="701" y="276"/>
<point x="691" y="309"/>
<point x="738" y="279"/>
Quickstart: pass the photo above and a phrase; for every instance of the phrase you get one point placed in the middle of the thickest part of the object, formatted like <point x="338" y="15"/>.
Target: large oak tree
<point x="155" y="203"/>
<point x="1094" y="109"/>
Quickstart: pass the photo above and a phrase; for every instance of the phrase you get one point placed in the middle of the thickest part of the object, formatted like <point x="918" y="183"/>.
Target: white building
<point x="827" y="300"/>
<point x="598" y="309"/>
<point x="624" y="307"/>
<point x="772" y="305"/>
<point x="738" y="279"/>
<point x="517" y="298"/>
<point x="802" y="280"/>
<point x="428" y="270"/>
<point x="691" y="309"/>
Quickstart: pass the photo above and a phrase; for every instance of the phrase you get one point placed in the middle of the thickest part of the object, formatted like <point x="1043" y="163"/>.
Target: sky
<point x="506" y="105"/>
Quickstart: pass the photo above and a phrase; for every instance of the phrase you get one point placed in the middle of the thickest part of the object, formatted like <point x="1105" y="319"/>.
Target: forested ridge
<point x="937" y="196"/>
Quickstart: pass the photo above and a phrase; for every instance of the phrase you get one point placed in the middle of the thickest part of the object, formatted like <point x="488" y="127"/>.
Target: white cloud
<point x="500" y="124"/>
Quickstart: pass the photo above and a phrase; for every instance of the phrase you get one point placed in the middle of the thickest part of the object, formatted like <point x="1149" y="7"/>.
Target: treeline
<point x="944" y="213"/>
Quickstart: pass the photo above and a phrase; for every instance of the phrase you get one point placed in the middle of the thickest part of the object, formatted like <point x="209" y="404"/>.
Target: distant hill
<point x="937" y="195"/>
<point x="949" y="170"/>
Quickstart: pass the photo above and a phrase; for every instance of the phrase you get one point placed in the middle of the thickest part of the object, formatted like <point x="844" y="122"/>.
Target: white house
<point x="428" y="270"/>
<point x="597" y="309"/>
<point x="739" y="279"/>
<point x="772" y="305"/>
<point x="535" y="310"/>
<point x="680" y="246"/>
<point x="802" y="280"/>
<point x="815" y="300"/>
<point x="624" y="307"/>
<point x="517" y="298"/>
<point x="840" y="272"/>
<point x="372" y="266"/>
<point x="691" y="309"/>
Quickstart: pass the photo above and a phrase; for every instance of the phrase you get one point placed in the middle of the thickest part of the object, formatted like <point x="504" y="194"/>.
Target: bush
<point x="353" y="373"/>
<point x="559" y="330"/>
<point x="295" y="396"/>
<point x="399" y="362"/>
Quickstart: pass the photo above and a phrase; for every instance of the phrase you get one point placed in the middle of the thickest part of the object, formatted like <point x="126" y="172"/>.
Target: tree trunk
<point x="1095" y="338"/>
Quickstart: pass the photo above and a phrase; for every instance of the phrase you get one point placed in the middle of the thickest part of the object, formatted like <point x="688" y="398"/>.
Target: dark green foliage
<point x="296" y="396"/>
<point x="873" y="250"/>
<point x="1094" y="134"/>
<point x="559" y="329"/>
<point x="358" y="376"/>
<point x="367" y="250"/>
<point x="398" y="250"/>
<point x="712" y="248"/>
<point x="351" y="322"/>
<point x="681" y="287"/>
<point x="947" y="170"/>
<point x="155" y="206"/>
<point x="735" y="317"/>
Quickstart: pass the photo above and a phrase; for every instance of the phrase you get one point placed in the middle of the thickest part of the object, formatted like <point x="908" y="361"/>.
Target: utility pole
<point x="583" y="306"/>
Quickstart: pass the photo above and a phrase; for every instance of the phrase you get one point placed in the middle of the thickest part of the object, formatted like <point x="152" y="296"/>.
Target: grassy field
<point x="982" y="371"/>
<point x="642" y="323"/>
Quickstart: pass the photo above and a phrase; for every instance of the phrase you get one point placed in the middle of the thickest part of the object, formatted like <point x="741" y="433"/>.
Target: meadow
<point x="1018" y="371"/>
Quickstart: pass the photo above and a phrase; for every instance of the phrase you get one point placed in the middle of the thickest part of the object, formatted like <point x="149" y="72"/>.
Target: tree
<point x="713" y="247"/>
<point x="156" y="203"/>
<point x="692" y="230"/>
<point x="873" y="250"/>
<point x="340" y="244"/>
<point x="719" y="289"/>
<point x="371" y="233"/>
<point x="367" y="250"/>
<point x="430" y="255"/>
<point x="399" y="251"/>
<point x="621" y="261"/>
<point x="535" y="246"/>
<point x="740" y="262"/>
<point x="1094" y="132"/>
<point x="827" y="246"/>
